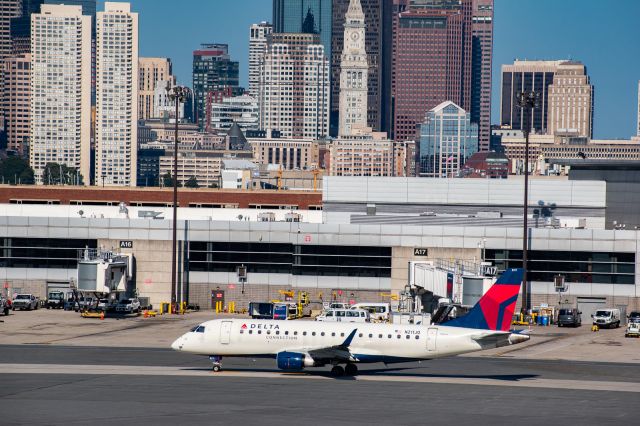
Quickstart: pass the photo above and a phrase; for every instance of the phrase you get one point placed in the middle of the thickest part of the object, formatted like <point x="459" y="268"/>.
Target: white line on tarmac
<point x="198" y="372"/>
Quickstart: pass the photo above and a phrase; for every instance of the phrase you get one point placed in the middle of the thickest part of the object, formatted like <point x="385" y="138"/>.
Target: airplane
<point x="297" y="345"/>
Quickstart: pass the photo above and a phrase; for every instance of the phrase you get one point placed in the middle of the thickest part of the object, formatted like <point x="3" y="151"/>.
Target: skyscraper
<point x="257" y="47"/>
<point x="378" y="40"/>
<point x="526" y="76"/>
<point x="213" y="70"/>
<point x="116" y="95"/>
<point x="294" y="86"/>
<point x="638" y="133"/>
<point x="88" y="8"/>
<point x="354" y="71"/>
<point x="9" y="9"/>
<point x="151" y="71"/>
<point x="423" y="79"/>
<point x="60" y="108"/>
<point x="447" y="139"/>
<point x="21" y="27"/>
<point x="570" y="109"/>
<point x="289" y="16"/>
<point x="17" y="75"/>
<point x="481" y="60"/>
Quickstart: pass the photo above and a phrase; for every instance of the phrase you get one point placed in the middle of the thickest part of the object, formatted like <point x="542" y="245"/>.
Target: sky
<point x="603" y="36"/>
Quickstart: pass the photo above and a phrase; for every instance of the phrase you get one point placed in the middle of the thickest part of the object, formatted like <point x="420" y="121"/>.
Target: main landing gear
<point x="348" y="370"/>
<point x="217" y="363"/>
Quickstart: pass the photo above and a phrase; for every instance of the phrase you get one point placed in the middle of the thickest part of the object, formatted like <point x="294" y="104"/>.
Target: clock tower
<point x="354" y="72"/>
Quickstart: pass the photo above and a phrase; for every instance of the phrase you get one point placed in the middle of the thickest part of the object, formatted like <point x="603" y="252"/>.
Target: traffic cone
<point x="101" y="315"/>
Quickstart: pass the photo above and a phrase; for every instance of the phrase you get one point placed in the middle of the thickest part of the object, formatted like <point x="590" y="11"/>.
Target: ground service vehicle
<point x="633" y="329"/>
<point x="128" y="306"/>
<point x="633" y="316"/>
<point x="608" y="318"/>
<point x="5" y="305"/>
<point x="344" y="315"/>
<point x="296" y="345"/>
<point x="377" y="311"/>
<point x="25" y="301"/>
<point x="55" y="300"/>
<point x="261" y="310"/>
<point x="569" y="317"/>
<point x="285" y="311"/>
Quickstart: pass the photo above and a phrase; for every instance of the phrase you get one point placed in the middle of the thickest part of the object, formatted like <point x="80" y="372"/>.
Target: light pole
<point x="177" y="94"/>
<point x="527" y="101"/>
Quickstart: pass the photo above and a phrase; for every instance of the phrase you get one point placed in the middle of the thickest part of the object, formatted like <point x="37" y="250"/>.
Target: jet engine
<point x="292" y="361"/>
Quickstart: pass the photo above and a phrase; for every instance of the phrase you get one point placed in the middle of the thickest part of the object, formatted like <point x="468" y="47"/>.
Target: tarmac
<point x="59" y="368"/>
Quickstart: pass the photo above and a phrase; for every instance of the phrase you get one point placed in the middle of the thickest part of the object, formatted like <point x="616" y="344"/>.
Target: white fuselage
<point x="371" y="343"/>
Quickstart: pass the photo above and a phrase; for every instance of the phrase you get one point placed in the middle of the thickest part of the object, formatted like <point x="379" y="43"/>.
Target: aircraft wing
<point x="333" y="353"/>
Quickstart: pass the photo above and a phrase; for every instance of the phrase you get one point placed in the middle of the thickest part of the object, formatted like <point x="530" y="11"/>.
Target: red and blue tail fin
<point x="494" y="310"/>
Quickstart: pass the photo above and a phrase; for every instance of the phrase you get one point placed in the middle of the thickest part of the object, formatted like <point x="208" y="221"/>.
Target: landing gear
<point x="337" y="371"/>
<point x="217" y="363"/>
<point x="351" y="370"/>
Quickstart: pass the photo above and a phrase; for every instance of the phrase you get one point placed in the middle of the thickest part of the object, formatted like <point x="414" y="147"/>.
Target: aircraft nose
<point x="177" y="344"/>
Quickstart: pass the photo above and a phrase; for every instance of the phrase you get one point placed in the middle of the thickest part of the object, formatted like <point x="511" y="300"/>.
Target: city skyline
<point x="552" y="36"/>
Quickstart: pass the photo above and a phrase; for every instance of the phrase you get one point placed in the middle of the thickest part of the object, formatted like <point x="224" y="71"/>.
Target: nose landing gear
<point x="217" y="363"/>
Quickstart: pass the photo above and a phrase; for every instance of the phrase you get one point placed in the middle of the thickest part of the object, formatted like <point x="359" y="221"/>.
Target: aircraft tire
<point x="337" y="371"/>
<point x="217" y="368"/>
<point x="351" y="370"/>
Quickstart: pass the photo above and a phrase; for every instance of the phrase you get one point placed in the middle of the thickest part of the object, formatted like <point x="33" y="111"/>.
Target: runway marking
<point x="199" y="372"/>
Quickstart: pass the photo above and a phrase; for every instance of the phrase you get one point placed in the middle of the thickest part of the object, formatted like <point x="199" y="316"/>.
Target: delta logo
<point x="244" y="326"/>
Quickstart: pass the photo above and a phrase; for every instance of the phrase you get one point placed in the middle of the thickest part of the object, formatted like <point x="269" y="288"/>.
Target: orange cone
<point x="101" y="315"/>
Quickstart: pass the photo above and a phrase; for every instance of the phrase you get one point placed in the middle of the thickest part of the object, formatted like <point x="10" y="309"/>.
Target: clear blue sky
<point x="605" y="35"/>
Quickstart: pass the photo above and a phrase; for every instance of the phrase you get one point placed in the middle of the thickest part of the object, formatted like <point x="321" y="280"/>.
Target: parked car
<point x="106" y="305"/>
<point x="569" y="317"/>
<point x="609" y="318"/>
<point x="86" y="303"/>
<point x="5" y="305"/>
<point x="634" y="316"/>
<point x="55" y="300"/>
<point x="128" y="306"/>
<point x="25" y="301"/>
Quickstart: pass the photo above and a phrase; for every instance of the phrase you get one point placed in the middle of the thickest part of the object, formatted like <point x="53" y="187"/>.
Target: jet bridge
<point x="104" y="272"/>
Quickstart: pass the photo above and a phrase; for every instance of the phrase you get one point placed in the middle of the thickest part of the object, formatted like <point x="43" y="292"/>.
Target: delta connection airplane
<point x="296" y="345"/>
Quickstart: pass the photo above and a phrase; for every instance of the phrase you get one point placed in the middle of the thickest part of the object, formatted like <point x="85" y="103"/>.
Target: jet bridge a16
<point x="104" y="272"/>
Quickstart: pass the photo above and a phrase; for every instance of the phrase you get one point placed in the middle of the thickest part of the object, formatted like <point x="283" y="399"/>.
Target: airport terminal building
<point x="358" y="247"/>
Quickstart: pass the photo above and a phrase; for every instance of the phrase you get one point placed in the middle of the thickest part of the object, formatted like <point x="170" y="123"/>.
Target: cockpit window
<point x="198" y="329"/>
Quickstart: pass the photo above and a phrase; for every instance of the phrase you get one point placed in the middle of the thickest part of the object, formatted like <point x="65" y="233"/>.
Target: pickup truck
<point x="25" y="301"/>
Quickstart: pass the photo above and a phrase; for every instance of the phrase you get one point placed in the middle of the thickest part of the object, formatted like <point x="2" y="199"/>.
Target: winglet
<point x="349" y="338"/>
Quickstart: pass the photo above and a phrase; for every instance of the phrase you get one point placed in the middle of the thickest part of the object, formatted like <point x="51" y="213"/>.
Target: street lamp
<point x="527" y="101"/>
<point x="177" y="94"/>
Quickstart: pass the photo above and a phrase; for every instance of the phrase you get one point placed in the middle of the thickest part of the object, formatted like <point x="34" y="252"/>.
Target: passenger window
<point x="417" y="336"/>
<point x="295" y="333"/>
<point x="304" y="333"/>
<point x="399" y="336"/>
<point x="408" y="337"/>
<point x="277" y="332"/>
<point x="333" y="334"/>
<point x="389" y="336"/>
<point x="379" y="336"/>
<point x="370" y="336"/>
<point x="351" y="314"/>
<point x="329" y="314"/>
<point x="250" y="331"/>
<point x="360" y="335"/>
<point x="341" y="334"/>
<point x="286" y="333"/>
<point x="268" y="331"/>
<point x="313" y="333"/>
<point x="259" y="331"/>
<point x="339" y="313"/>
<point x="322" y="334"/>
<point x="241" y="331"/>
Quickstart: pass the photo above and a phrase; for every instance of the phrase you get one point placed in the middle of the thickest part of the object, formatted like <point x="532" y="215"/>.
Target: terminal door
<point x="225" y="332"/>
<point x="432" y="335"/>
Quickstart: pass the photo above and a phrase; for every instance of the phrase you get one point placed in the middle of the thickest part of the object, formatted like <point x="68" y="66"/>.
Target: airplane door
<point x="225" y="332"/>
<point x="432" y="335"/>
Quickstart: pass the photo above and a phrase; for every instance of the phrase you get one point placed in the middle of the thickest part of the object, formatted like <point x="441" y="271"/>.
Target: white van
<point x="609" y="318"/>
<point x="377" y="311"/>
<point x="344" y="315"/>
